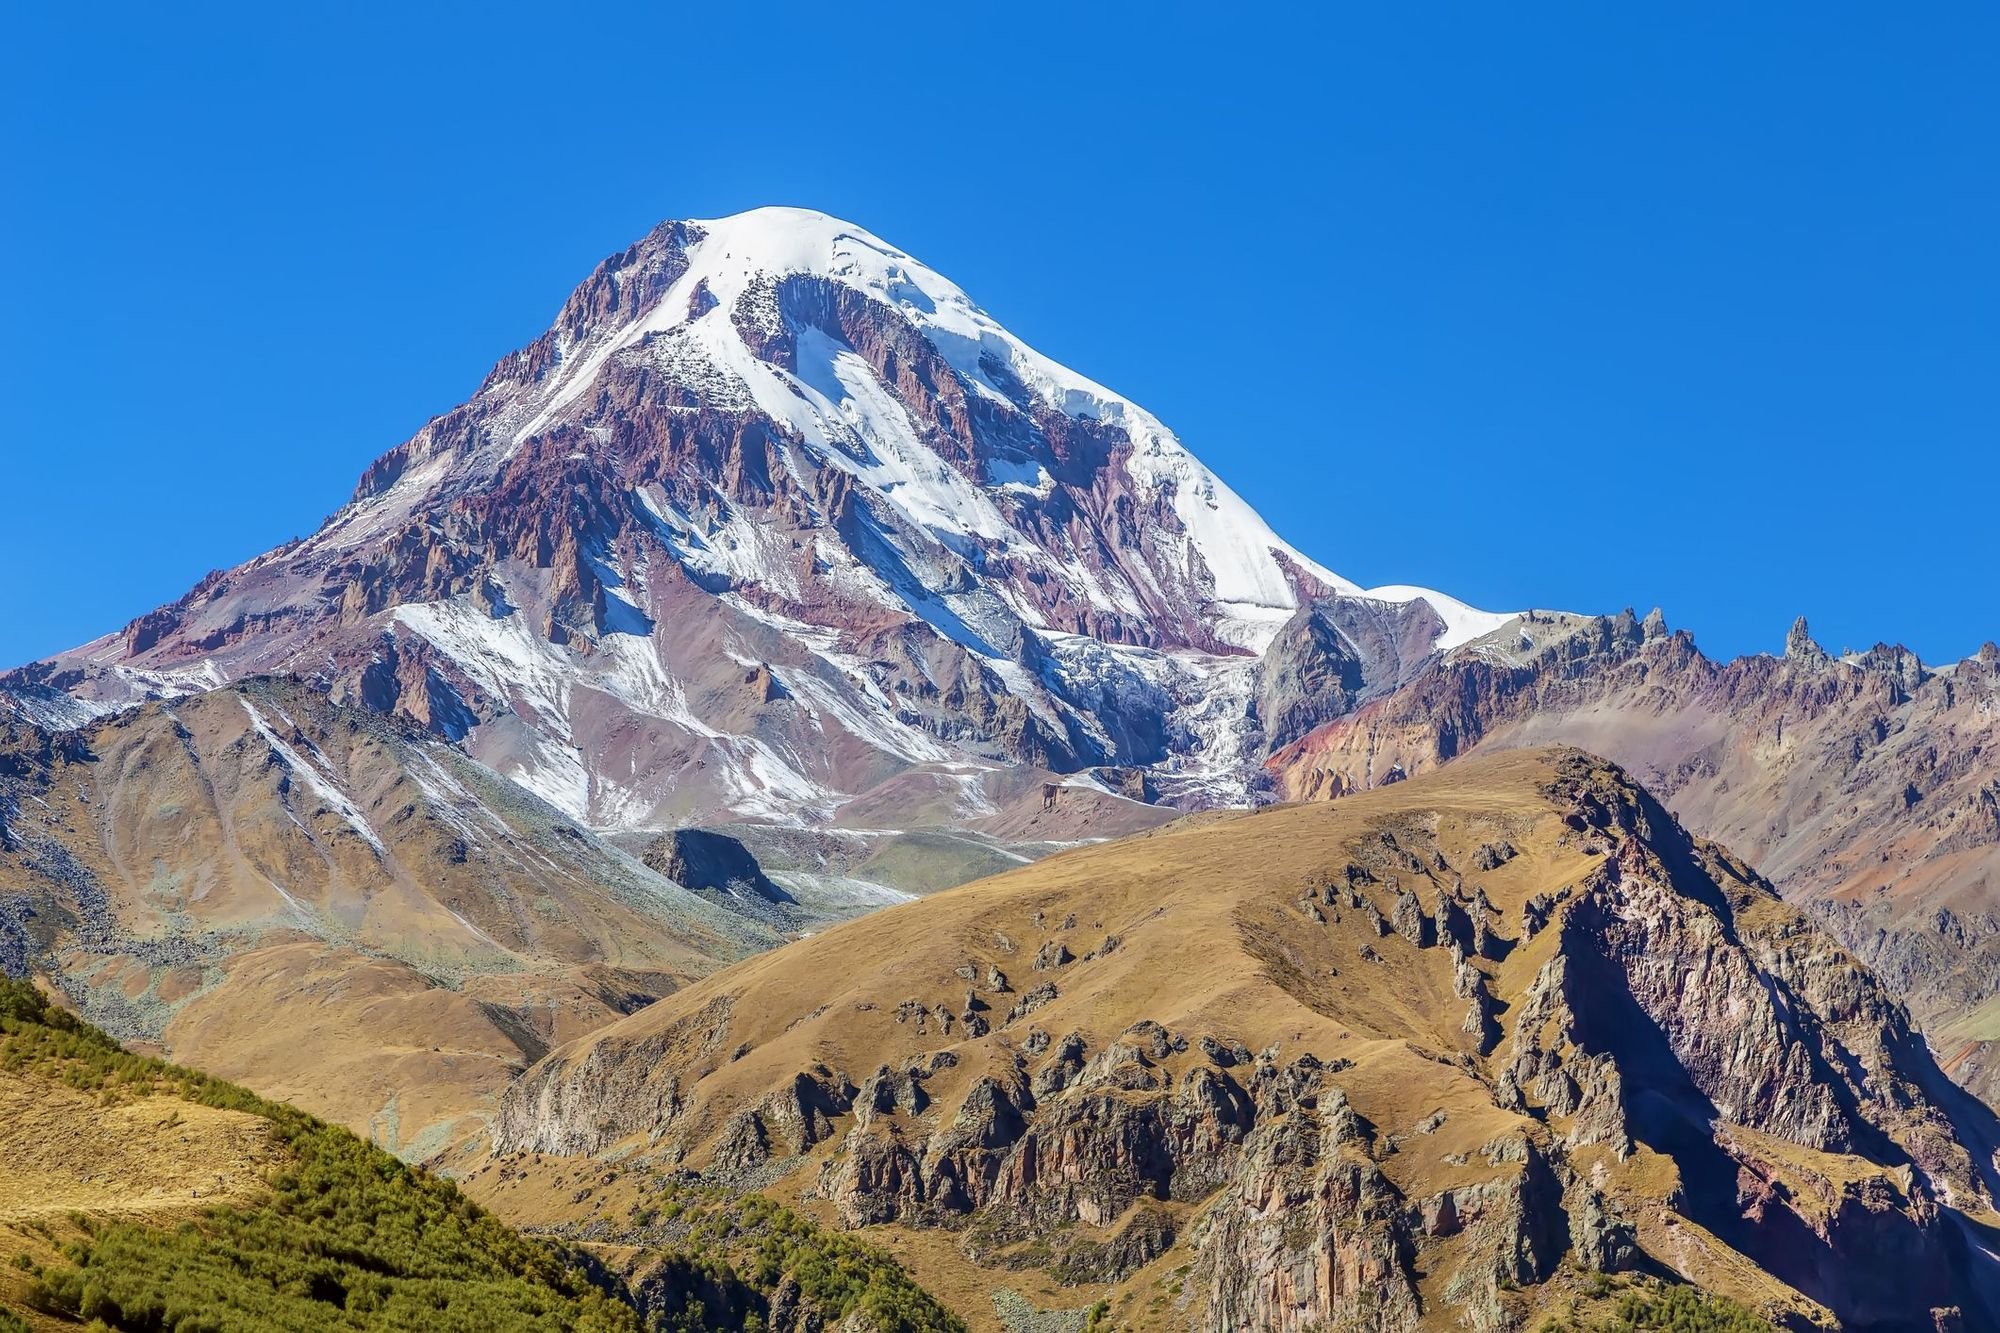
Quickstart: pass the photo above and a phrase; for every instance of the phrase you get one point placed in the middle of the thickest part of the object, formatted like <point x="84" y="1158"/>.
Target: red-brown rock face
<point x="770" y="442"/>
<point x="1864" y="786"/>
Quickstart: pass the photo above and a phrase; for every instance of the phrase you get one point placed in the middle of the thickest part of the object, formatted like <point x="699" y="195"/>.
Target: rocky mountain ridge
<point x="774" y="528"/>
<point x="1420" y="1058"/>
<point x="1862" y="784"/>
<point x="772" y="522"/>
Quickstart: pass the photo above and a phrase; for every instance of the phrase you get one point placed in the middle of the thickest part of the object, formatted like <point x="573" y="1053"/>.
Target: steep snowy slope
<point x="772" y="519"/>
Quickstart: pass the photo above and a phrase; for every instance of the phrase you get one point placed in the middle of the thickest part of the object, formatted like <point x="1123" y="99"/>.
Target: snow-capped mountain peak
<point x="733" y="266"/>
<point x="772" y="514"/>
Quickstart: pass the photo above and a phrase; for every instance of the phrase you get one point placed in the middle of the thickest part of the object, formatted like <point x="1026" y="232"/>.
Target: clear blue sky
<point x="1575" y="305"/>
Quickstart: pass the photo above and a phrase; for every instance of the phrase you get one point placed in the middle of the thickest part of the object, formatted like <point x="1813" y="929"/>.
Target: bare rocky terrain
<point x="1864" y="785"/>
<point x="1415" y="1059"/>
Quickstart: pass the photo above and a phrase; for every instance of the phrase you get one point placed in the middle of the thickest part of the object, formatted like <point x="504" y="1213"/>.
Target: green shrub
<point x="1656" y="1308"/>
<point x="739" y="1249"/>
<point x="351" y="1238"/>
<point x="348" y="1238"/>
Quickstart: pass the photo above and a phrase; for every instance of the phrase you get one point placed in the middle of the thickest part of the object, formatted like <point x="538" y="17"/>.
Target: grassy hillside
<point x="343" y="1235"/>
<point x="147" y="1197"/>
<point x="329" y="906"/>
<point x="1073" y="1084"/>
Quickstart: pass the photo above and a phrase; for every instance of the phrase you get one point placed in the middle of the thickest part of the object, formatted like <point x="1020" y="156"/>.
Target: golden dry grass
<point x="63" y="1151"/>
<point x="1214" y="938"/>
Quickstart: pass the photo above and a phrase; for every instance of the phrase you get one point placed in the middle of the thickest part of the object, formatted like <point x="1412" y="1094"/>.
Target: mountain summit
<point x="775" y="523"/>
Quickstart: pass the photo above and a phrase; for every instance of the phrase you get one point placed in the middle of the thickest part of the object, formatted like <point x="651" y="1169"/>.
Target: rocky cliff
<point x="1862" y="783"/>
<point x="1420" y="1058"/>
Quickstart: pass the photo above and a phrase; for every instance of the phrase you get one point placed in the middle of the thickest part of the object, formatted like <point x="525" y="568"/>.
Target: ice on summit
<point x="835" y="396"/>
<point x="1125" y="608"/>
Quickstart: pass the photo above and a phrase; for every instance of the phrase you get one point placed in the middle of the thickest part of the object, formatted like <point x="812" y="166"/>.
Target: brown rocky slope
<point x="1417" y="1059"/>
<point x="1863" y="784"/>
<point x="329" y="905"/>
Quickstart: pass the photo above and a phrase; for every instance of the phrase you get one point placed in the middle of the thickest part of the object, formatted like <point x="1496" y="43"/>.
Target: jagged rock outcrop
<point x="708" y="861"/>
<point x="1861" y="783"/>
<point x="1800" y="647"/>
<point x="1310" y="1233"/>
<point x="1617" y="1049"/>
<point x="1333" y="655"/>
<point x="617" y="1097"/>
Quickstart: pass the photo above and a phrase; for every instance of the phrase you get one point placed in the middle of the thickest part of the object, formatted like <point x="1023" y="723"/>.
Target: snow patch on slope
<point x="539" y="680"/>
<point x="322" y="785"/>
<point x="1462" y="623"/>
